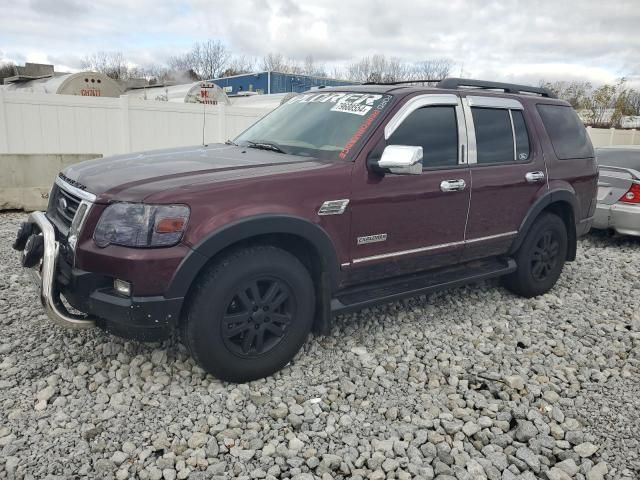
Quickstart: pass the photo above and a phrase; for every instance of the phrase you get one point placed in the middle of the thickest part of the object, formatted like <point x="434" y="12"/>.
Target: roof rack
<point x="403" y="82"/>
<point x="456" y="83"/>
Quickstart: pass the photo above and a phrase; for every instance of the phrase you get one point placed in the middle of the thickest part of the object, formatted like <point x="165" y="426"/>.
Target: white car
<point x="618" y="205"/>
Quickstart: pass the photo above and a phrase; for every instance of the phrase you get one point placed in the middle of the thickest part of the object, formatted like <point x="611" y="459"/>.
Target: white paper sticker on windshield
<point x="356" y="104"/>
<point x="350" y="107"/>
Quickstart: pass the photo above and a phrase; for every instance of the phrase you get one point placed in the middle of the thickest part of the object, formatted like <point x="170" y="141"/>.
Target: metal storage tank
<point x="85" y="84"/>
<point x="185" y="93"/>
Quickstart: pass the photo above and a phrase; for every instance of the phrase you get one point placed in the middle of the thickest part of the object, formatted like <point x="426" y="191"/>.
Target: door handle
<point x="453" y="185"/>
<point x="534" y="177"/>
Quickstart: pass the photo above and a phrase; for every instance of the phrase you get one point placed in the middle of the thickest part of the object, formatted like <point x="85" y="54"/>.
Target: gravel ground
<point x="473" y="383"/>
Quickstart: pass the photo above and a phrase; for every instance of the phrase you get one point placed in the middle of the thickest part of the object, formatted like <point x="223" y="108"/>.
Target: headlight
<point x="140" y="225"/>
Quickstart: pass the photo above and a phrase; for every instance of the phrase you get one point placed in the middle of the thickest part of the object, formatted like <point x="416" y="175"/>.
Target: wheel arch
<point x="560" y="202"/>
<point x="307" y="241"/>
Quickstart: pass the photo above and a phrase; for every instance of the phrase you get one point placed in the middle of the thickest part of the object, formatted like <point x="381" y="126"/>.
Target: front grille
<point x="62" y="208"/>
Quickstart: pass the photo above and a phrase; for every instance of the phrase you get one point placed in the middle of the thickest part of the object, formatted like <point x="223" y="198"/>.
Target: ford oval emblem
<point x="63" y="203"/>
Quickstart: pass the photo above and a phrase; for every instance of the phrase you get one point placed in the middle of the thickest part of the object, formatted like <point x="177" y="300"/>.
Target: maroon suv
<point x="340" y="198"/>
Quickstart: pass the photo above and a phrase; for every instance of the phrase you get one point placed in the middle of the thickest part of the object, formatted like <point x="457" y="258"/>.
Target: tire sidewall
<point x="204" y="327"/>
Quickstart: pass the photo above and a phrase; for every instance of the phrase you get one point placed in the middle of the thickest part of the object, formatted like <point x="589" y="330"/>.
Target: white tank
<point x="196" y="92"/>
<point x="85" y="84"/>
<point x="261" y="101"/>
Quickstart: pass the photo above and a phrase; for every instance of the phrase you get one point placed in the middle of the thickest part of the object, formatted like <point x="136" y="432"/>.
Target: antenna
<point x="203" y="99"/>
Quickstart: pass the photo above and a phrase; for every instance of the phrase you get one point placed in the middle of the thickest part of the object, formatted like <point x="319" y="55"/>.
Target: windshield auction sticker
<point x="356" y="103"/>
<point x="378" y="105"/>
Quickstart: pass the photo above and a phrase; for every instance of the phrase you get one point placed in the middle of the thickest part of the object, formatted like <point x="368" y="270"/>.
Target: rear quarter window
<point x="567" y="133"/>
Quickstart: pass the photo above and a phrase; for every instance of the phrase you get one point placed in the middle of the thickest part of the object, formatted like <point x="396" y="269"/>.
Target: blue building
<point x="274" y="82"/>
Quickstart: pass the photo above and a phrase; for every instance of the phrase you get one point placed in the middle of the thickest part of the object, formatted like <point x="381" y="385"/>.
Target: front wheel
<point x="250" y="313"/>
<point x="540" y="258"/>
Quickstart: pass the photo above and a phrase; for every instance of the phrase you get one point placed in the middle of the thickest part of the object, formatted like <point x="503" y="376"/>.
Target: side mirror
<point x="401" y="160"/>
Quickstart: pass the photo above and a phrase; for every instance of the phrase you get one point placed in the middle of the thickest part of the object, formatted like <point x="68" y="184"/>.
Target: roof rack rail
<point x="456" y="83"/>
<point x="403" y="82"/>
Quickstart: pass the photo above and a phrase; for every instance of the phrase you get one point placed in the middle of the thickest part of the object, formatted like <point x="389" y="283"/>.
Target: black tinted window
<point x="522" y="138"/>
<point x="568" y="136"/>
<point x="494" y="137"/>
<point x="435" y="129"/>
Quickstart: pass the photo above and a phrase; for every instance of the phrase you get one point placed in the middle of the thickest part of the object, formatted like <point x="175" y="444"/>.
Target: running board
<point x="387" y="290"/>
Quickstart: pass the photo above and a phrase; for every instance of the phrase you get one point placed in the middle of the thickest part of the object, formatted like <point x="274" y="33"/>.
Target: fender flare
<point x="244" y="229"/>
<point x="554" y="196"/>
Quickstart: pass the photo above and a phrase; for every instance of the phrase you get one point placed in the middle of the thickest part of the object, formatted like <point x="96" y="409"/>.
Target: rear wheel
<point x="540" y="258"/>
<point x="250" y="314"/>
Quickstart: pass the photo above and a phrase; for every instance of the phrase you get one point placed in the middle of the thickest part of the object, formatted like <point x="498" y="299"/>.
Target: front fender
<point x="247" y="228"/>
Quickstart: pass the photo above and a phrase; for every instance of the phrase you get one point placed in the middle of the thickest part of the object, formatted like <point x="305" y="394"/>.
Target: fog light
<point x="122" y="287"/>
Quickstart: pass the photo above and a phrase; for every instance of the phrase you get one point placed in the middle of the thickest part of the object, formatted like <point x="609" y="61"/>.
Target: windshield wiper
<point x="265" y="146"/>
<point x="230" y="142"/>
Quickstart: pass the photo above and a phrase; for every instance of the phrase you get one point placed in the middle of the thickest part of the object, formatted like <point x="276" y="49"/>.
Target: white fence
<point x="603" y="137"/>
<point x="66" y="124"/>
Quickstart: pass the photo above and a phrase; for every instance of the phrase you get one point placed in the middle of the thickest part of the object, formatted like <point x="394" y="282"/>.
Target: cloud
<point x="499" y="39"/>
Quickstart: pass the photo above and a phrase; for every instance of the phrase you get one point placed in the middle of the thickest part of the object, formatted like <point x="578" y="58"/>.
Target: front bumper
<point x="621" y="217"/>
<point x="142" y="318"/>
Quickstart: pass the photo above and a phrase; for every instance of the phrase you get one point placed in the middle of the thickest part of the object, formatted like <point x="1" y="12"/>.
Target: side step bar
<point x="362" y="296"/>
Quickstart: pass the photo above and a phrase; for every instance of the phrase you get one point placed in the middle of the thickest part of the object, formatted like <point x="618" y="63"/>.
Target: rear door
<point x="507" y="172"/>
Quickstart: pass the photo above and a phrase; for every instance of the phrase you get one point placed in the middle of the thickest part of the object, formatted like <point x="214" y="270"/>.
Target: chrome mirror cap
<point x="402" y="159"/>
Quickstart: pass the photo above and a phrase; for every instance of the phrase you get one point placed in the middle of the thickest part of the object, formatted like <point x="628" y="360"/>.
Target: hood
<point x="137" y="175"/>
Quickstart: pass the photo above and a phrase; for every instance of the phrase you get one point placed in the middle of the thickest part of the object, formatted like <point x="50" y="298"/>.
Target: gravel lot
<point x="470" y="384"/>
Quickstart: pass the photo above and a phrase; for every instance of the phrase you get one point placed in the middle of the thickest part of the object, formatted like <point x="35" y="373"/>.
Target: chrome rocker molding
<point x="432" y="247"/>
<point x="45" y="279"/>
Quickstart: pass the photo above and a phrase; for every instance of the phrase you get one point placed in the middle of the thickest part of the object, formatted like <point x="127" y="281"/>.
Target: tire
<point x="540" y="258"/>
<point x="249" y="314"/>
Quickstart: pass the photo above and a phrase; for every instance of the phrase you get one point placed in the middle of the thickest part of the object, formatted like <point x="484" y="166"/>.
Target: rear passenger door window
<point x="501" y="135"/>
<point x="435" y="129"/>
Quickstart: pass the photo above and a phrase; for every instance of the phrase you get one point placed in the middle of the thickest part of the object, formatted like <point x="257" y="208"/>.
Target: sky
<point x="508" y="40"/>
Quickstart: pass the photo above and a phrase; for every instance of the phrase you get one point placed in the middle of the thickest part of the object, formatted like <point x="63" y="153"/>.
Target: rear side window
<point x="494" y="137"/>
<point x="568" y="136"/>
<point x="435" y="129"/>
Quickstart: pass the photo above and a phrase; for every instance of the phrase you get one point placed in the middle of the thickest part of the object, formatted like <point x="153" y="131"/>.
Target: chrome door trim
<point x="494" y="102"/>
<point x="416" y="103"/>
<point x="513" y="135"/>
<point x="405" y="252"/>
<point x="472" y="149"/>
<point x="431" y="247"/>
<point x="426" y="100"/>
<point x="492" y="237"/>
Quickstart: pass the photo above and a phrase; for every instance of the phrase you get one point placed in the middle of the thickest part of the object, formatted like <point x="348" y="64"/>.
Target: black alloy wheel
<point x="545" y="255"/>
<point x="257" y="317"/>
<point x="249" y="313"/>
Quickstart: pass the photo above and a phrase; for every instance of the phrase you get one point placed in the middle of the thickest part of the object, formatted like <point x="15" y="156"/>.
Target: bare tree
<point x="633" y="102"/>
<point x="377" y="69"/>
<point x="435" y="69"/>
<point x="112" y="64"/>
<point x="311" y="67"/>
<point x="208" y="59"/>
<point x="577" y="93"/>
<point x="276" y="62"/>
<point x="239" y="65"/>
<point x="6" y="70"/>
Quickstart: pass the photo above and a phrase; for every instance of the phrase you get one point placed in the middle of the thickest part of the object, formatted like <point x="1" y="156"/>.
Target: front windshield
<point x="321" y="125"/>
